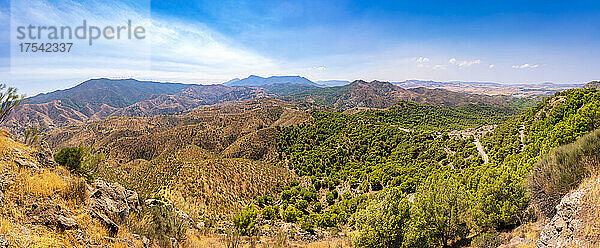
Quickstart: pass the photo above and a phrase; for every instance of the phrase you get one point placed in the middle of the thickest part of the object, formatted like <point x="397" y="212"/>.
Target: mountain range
<point x="102" y="98"/>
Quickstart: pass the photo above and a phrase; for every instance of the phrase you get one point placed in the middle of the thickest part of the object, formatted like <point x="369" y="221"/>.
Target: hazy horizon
<point x="205" y="42"/>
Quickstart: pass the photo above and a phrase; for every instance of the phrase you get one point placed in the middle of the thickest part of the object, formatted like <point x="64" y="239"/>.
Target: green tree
<point x="80" y="160"/>
<point x="438" y="215"/>
<point x="382" y="222"/>
<point x="291" y="214"/>
<point x="270" y="212"/>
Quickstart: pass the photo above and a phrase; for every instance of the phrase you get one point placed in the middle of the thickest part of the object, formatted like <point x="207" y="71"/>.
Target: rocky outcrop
<point x="559" y="232"/>
<point x="66" y="223"/>
<point x="111" y="200"/>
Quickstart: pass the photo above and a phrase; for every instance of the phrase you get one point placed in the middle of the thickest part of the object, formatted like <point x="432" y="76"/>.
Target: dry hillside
<point x="212" y="146"/>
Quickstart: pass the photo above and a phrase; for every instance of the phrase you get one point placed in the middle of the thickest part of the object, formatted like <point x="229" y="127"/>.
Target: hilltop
<point x="89" y="96"/>
<point x="593" y="84"/>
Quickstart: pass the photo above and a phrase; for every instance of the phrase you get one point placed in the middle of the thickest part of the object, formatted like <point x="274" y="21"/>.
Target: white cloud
<point x="464" y="63"/>
<point x="321" y="68"/>
<point x="422" y="60"/>
<point x="525" y="66"/>
<point x="440" y="67"/>
<point x="491" y="66"/>
<point x="173" y="50"/>
<point x="468" y="63"/>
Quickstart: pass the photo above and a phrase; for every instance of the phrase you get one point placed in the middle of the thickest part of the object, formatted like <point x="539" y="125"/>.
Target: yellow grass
<point x="592" y="200"/>
<point x="42" y="184"/>
<point x="5" y="226"/>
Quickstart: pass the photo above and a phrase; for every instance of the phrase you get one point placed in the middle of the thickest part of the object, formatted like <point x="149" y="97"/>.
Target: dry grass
<point x="75" y="192"/>
<point x="590" y="211"/>
<point x="42" y="184"/>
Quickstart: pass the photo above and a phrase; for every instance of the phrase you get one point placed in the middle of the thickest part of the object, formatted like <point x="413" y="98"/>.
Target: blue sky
<point x="214" y="41"/>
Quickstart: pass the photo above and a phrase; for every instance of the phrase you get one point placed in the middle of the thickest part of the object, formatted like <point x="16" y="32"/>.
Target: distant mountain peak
<point x="254" y="80"/>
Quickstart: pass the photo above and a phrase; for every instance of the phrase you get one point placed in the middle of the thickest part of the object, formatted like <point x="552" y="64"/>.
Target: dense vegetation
<point x="400" y="180"/>
<point x="373" y="149"/>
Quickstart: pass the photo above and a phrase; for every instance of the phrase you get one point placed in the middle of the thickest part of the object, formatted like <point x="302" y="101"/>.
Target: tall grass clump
<point x="562" y="170"/>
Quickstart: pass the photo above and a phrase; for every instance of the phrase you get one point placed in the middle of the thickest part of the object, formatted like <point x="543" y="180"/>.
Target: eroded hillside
<point x="209" y="161"/>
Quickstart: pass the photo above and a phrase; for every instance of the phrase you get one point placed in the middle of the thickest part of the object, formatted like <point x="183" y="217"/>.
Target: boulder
<point x="43" y="155"/>
<point x="113" y="200"/>
<point x="66" y="223"/>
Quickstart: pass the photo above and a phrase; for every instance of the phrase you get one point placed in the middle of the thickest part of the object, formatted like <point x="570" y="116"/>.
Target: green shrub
<point x="308" y="222"/>
<point x="302" y="205"/>
<point x="245" y="221"/>
<point x="330" y="198"/>
<point x="317" y="207"/>
<point x="79" y="160"/>
<point x="291" y="214"/>
<point x="69" y="157"/>
<point x="347" y="195"/>
<point x="270" y="212"/>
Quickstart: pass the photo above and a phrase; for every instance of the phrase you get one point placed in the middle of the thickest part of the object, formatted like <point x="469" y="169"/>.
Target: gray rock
<point x="66" y="223"/>
<point x="559" y="231"/>
<point x="114" y="200"/>
<point x="43" y="155"/>
<point x="111" y="199"/>
<point x="25" y="163"/>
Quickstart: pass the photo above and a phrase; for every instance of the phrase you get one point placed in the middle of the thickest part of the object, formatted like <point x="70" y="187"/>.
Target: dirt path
<point x="481" y="151"/>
